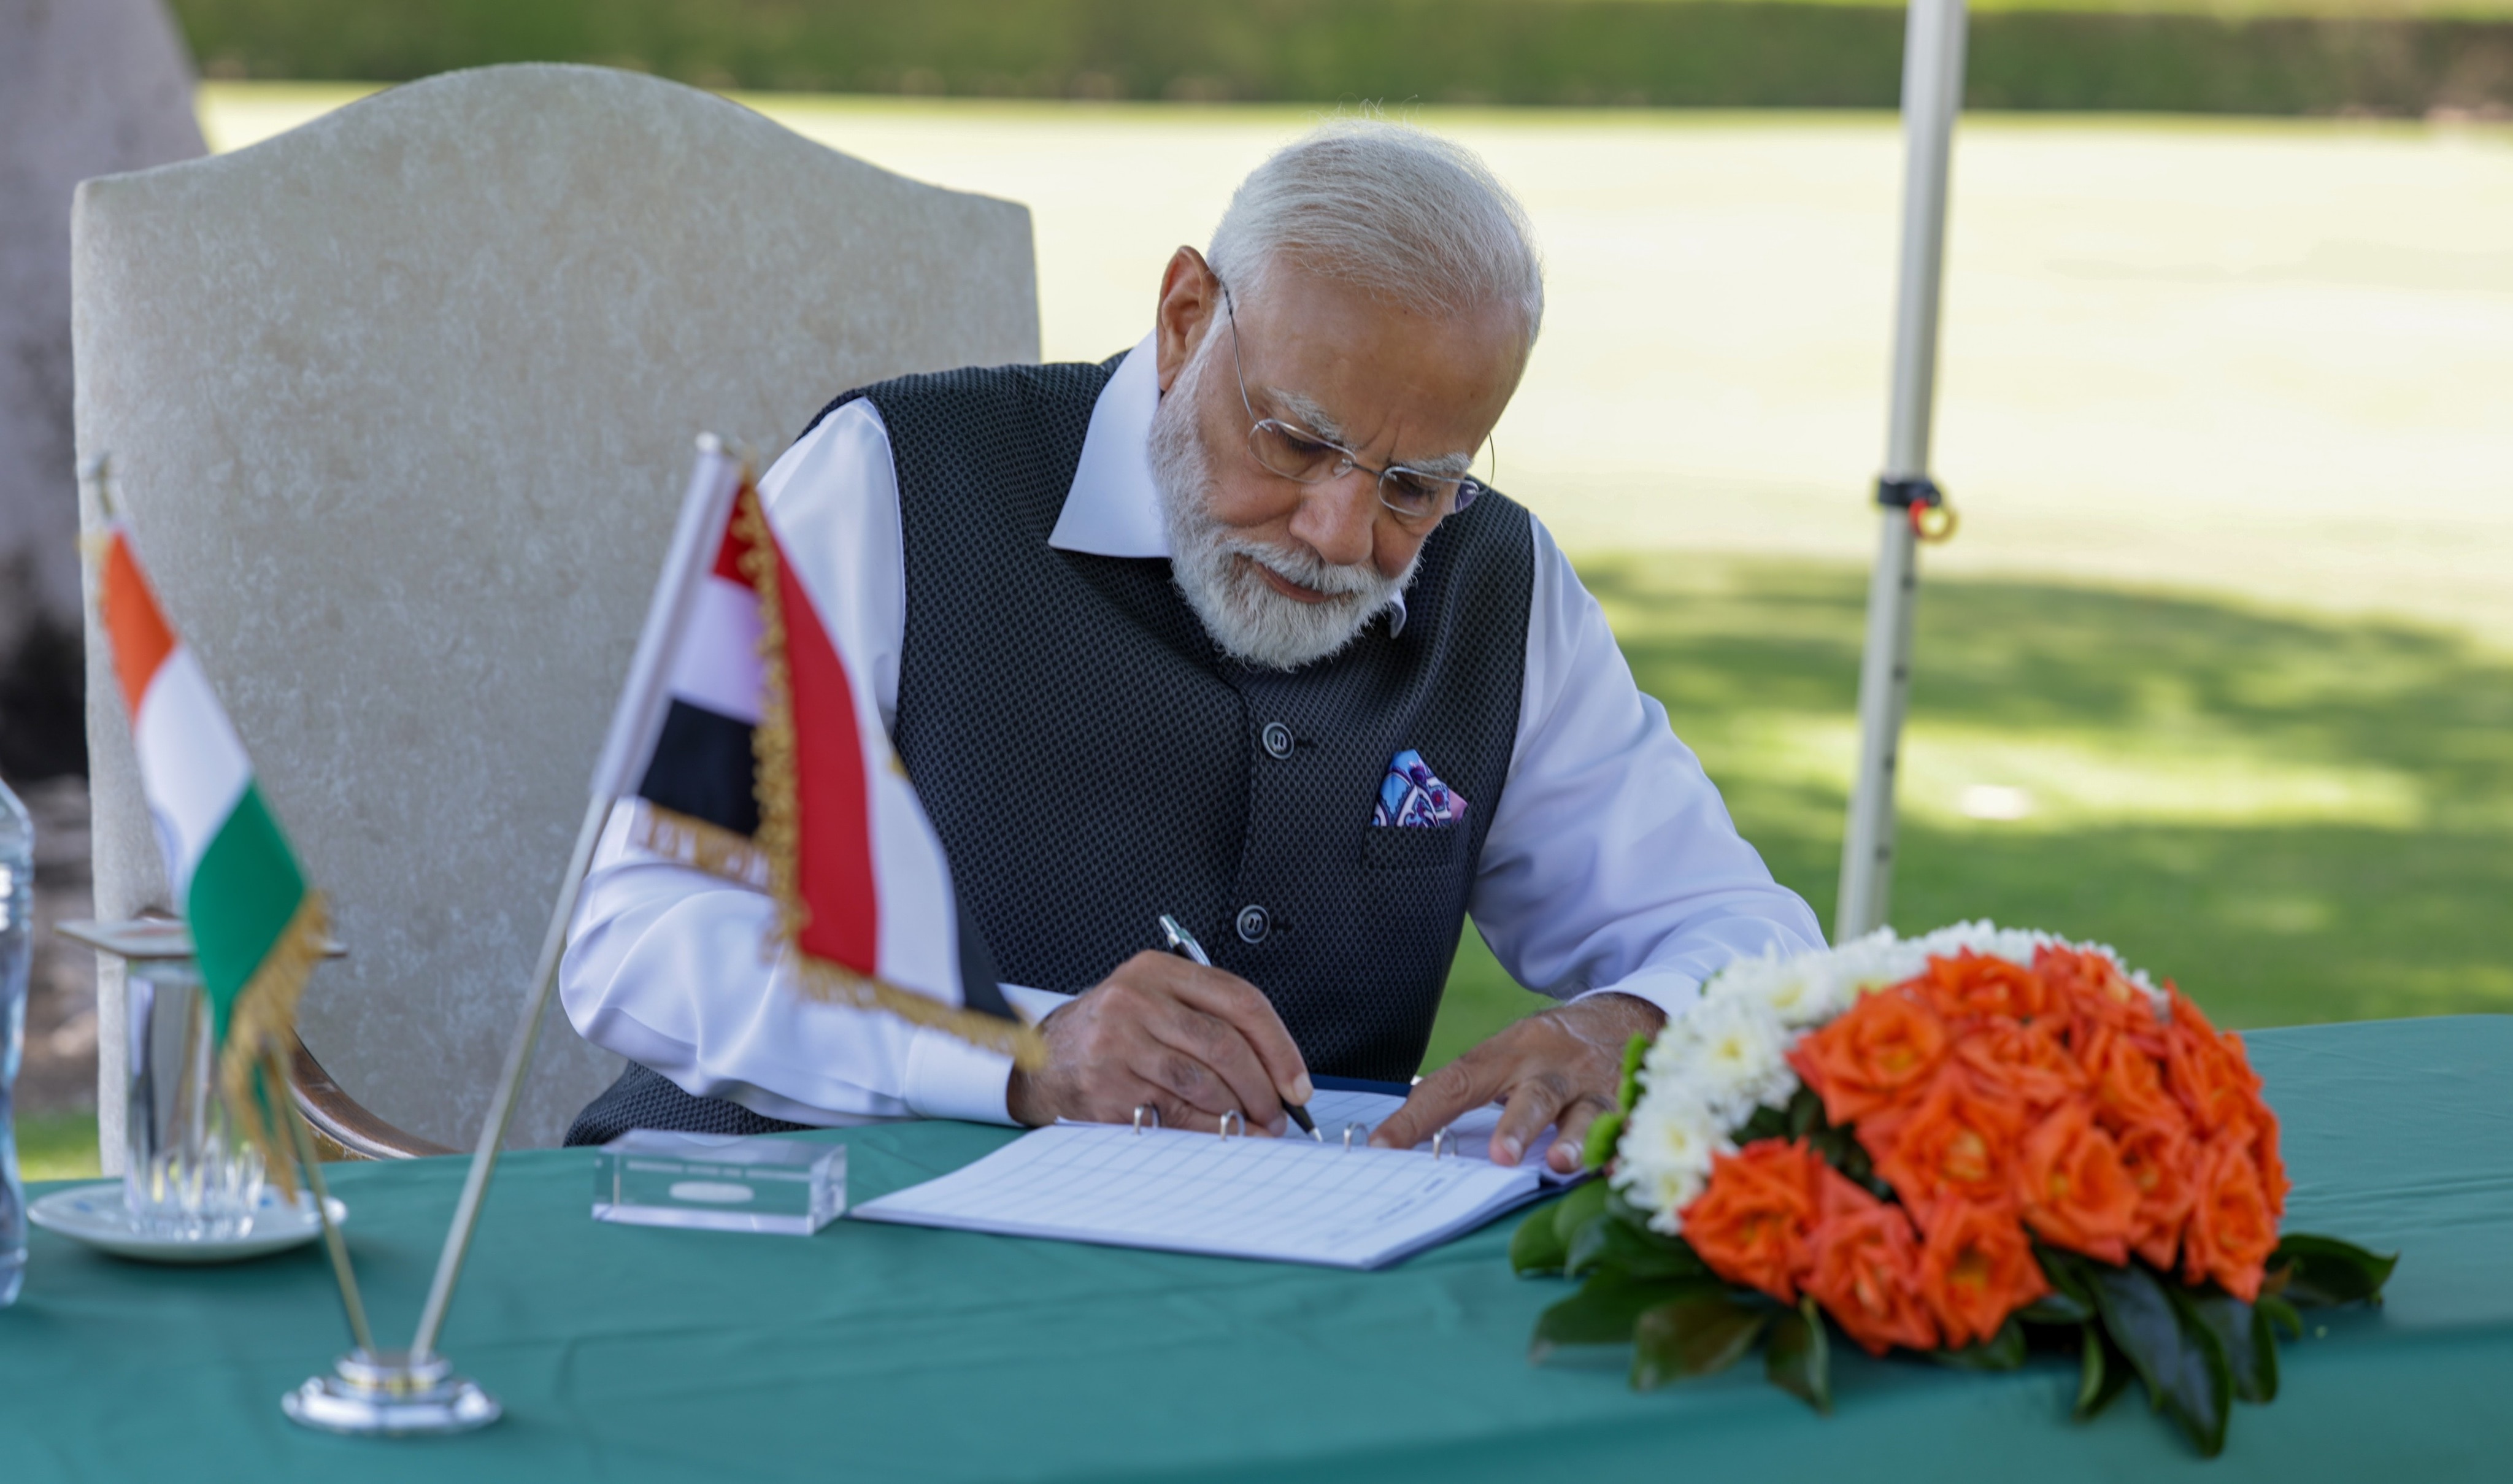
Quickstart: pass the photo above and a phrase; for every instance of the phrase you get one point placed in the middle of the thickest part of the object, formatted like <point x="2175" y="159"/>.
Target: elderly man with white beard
<point x="1226" y="628"/>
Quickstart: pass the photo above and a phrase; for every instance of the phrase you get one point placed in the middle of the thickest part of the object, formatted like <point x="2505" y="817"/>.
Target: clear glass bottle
<point x="17" y="946"/>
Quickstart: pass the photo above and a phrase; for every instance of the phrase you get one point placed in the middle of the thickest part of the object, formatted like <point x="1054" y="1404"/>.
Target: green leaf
<point x="2069" y="1290"/>
<point x="1543" y="1241"/>
<point x="2280" y="1314"/>
<point x="1537" y="1246"/>
<point x="2184" y="1372"/>
<point x="1799" y="1358"/>
<point x="1806" y="1112"/>
<point x="2264" y="1360"/>
<point x="2250" y="1354"/>
<point x="1605" y="1309"/>
<point x="2326" y="1270"/>
<point x="2104" y="1376"/>
<point x="1763" y="1123"/>
<point x="2002" y="1352"/>
<point x="2058" y="1306"/>
<point x="1841" y="1151"/>
<point x="1693" y="1336"/>
<point x="1635" y="1051"/>
<point x="1584" y="1204"/>
<point x="1599" y="1147"/>
<point x="1611" y="1242"/>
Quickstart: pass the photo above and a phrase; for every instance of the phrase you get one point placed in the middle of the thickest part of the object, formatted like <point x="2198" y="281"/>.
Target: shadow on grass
<point x="2273" y="916"/>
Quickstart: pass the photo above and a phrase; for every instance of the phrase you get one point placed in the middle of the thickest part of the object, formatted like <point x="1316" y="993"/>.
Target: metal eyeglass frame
<point x="1462" y="488"/>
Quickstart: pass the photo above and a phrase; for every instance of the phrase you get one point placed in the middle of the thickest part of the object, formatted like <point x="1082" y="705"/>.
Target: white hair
<point x="1399" y="213"/>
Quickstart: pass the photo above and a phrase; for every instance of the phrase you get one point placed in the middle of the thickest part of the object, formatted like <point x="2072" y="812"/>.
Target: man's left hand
<point x="1560" y="1068"/>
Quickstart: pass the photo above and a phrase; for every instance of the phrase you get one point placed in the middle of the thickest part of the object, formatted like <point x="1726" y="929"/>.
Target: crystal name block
<point x="649" y="1178"/>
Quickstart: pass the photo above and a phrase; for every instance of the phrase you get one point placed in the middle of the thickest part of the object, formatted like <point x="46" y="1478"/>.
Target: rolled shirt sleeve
<point x="1612" y="864"/>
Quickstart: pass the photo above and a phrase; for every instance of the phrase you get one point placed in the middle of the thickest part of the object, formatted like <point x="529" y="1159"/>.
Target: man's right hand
<point x="1191" y="1041"/>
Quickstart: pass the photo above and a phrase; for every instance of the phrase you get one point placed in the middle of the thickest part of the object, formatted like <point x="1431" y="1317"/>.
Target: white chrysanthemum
<point x="1730" y="1052"/>
<point x="1867" y="964"/>
<point x="1988" y="939"/>
<point x="1801" y="990"/>
<point x="1663" y="1159"/>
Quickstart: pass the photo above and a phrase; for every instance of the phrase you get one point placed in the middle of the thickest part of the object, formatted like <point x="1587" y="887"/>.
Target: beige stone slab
<point x="86" y="89"/>
<point x="401" y="403"/>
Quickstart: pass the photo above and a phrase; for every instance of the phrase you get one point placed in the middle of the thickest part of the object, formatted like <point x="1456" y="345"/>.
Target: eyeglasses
<point x="1419" y="501"/>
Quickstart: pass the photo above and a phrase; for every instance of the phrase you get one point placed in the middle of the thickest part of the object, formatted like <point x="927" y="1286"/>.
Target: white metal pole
<point x="634" y="723"/>
<point x="1933" y="71"/>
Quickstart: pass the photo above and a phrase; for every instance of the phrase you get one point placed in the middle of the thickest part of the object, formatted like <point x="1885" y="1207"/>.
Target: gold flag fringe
<point x="772" y="742"/>
<point x="779" y="833"/>
<point x="687" y="840"/>
<point x="260" y="1026"/>
<point x="836" y="985"/>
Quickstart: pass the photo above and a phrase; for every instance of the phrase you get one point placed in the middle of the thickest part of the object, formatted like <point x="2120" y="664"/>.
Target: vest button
<point x="1254" y="924"/>
<point x="1278" y="739"/>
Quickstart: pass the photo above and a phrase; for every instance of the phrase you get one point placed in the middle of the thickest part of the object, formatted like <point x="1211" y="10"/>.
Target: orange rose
<point x="2160" y="1160"/>
<point x="2074" y="1189"/>
<point x="1957" y="1142"/>
<point x="2091" y="990"/>
<point x="1751" y="1224"/>
<point x="2128" y="1089"/>
<point x="2264" y="1155"/>
<point x="1972" y="984"/>
<point x="1871" y="1054"/>
<point x="2231" y="1231"/>
<point x="1975" y="1268"/>
<point x="1866" y="1274"/>
<point x="2026" y="1063"/>
<point x="2207" y="1070"/>
<point x="1837" y="1194"/>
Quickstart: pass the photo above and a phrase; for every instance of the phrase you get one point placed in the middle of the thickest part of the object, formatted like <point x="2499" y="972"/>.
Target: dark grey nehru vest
<point x="1092" y="760"/>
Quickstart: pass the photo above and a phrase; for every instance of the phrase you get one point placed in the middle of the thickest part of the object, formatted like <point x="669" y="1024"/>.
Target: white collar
<point x="1114" y="510"/>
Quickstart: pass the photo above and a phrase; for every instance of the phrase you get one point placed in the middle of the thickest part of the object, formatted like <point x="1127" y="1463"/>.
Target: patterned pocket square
<point x="1413" y="797"/>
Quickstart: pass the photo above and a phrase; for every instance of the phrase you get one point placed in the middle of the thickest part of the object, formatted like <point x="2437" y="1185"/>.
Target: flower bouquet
<point x="1968" y="1145"/>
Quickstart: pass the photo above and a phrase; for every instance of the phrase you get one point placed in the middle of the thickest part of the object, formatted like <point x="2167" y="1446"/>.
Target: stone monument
<point x="400" y="406"/>
<point x="87" y="87"/>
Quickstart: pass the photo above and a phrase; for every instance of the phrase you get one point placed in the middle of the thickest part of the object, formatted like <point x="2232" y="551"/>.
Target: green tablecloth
<point x="885" y="1352"/>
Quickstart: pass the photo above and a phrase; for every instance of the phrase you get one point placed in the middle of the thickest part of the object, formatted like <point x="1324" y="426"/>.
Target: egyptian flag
<point x="769" y="765"/>
<point x="256" y="929"/>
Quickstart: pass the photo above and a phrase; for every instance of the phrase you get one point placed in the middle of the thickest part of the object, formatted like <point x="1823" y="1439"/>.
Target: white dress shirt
<point x="1611" y="863"/>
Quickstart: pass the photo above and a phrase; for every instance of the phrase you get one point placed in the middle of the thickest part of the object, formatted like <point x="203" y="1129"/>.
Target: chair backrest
<point x="400" y="405"/>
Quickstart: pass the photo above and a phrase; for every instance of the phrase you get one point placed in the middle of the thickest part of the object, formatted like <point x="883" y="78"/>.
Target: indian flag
<point x="256" y="929"/>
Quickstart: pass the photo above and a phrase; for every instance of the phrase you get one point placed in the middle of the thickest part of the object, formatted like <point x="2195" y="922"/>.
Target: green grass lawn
<point x="2297" y="818"/>
<point x="57" y="1145"/>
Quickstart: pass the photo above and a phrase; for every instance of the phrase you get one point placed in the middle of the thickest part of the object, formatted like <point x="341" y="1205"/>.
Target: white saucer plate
<point x="95" y="1216"/>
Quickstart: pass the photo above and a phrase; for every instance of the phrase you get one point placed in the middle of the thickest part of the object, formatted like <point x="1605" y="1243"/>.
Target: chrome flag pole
<point x="1913" y="507"/>
<point x="416" y="1392"/>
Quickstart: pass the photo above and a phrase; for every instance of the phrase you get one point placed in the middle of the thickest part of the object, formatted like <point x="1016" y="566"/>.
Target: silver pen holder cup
<point x="188" y="1175"/>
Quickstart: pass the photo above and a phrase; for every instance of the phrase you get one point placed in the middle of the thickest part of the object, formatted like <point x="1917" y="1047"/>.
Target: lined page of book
<point x="1278" y="1200"/>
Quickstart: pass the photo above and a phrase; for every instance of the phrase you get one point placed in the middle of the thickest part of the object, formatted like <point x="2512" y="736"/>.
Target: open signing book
<point x="1280" y="1200"/>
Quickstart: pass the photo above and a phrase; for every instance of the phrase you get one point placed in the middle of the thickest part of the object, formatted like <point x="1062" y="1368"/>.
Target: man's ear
<point x="1191" y="302"/>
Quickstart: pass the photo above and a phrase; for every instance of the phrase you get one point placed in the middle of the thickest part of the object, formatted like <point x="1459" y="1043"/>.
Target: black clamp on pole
<point x="1932" y="519"/>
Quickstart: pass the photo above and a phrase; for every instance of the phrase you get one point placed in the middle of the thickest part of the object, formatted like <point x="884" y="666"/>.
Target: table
<point x="883" y="1352"/>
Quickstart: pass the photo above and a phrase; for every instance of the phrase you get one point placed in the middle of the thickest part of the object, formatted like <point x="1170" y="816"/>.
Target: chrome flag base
<point x="384" y="1395"/>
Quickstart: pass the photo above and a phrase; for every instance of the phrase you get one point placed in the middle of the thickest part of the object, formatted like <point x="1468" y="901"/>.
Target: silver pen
<point x="1182" y="943"/>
